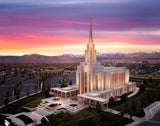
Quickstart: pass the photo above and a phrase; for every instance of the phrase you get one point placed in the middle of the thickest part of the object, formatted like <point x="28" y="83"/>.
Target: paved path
<point x="147" y="119"/>
<point x="156" y="117"/>
<point x="150" y="123"/>
<point x="112" y="111"/>
<point x="135" y="118"/>
<point x="134" y="92"/>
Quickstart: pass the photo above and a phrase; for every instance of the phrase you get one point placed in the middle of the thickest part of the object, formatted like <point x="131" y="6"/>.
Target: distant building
<point x="96" y="83"/>
<point x="144" y="62"/>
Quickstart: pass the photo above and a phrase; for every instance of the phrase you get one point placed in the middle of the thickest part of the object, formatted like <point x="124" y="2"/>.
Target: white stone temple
<point x="96" y="83"/>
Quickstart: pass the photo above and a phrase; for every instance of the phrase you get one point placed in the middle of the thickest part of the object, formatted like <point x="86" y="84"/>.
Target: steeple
<point x="90" y="32"/>
<point x="90" y="52"/>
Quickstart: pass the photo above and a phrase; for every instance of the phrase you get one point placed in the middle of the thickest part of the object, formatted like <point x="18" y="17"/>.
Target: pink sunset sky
<point x="55" y="27"/>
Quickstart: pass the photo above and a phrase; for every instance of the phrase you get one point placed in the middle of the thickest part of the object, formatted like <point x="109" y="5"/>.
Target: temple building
<point x="96" y="83"/>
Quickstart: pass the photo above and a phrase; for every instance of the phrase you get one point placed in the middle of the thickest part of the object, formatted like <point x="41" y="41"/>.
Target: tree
<point x="6" y="98"/>
<point x="142" y="88"/>
<point x="157" y="88"/>
<point x="70" y="82"/>
<point x="145" y="82"/>
<point x="150" y="80"/>
<point x="43" y="86"/>
<point x="17" y="91"/>
<point x="63" y="85"/>
<point x="48" y="87"/>
<point x="144" y="100"/>
<point x="130" y="109"/>
<point x="139" y="108"/>
<point x="47" y="93"/>
<point x="20" y="83"/>
<point x="36" y="88"/>
<point x="89" y="108"/>
<point x="98" y="106"/>
<point x="122" y="111"/>
<point x="111" y="101"/>
<point x="27" y="93"/>
<point x="124" y="97"/>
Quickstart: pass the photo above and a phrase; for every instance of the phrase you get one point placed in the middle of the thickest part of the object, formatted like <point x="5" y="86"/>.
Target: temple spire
<point x="90" y="52"/>
<point x="90" y="32"/>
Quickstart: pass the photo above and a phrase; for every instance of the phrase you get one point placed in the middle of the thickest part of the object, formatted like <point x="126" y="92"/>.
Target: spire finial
<point x="90" y="32"/>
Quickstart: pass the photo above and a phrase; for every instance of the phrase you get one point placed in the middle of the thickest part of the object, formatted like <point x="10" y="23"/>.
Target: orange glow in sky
<point x="60" y="27"/>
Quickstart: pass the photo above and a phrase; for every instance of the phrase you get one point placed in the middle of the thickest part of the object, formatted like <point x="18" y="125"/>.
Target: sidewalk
<point x="135" y="118"/>
<point x="149" y="114"/>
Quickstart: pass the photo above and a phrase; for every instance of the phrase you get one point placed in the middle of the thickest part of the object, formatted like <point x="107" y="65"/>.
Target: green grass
<point x="122" y="122"/>
<point x="140" y="97"/>
<point x="151" y="94"/>
<point x="65" y="118"/>
<point x="31" y="102"/>
<point x="34" y="101"/>
<point x="150" y="86"/>
<point x="86" y="117"/>
<point x="156" y="80"/>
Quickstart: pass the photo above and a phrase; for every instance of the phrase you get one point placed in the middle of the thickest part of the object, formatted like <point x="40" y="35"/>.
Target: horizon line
<point x="83" y="54"/>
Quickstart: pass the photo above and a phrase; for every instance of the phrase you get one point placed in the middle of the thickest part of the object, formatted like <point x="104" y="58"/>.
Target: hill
<point x="70" y="57"/>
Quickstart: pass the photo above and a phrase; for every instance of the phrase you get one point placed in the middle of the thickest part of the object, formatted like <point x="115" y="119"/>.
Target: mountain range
<point x="70" y="57"/>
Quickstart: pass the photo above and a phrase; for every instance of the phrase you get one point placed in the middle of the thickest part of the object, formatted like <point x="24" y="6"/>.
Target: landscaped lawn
<point x="87" y="117"/>
<point x="134" y="101"/>
<point x="34" y="101"/>
<point x="135" y="104"/>
<point x="31" y="102"/>
<point x="91" y="116"/>
<point x="65" y="118"/>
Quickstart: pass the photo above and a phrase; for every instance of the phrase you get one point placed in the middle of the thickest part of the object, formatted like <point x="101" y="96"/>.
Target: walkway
<point x="112" y="111"/>
<point x="134" y="92"/>
<point x="135" y="118"/>
<point x="150" y="112"/>
<point x="64" y="106"/>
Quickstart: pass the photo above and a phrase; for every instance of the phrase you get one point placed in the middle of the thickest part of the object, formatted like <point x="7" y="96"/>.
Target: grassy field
<point x="87" y="117"/>
<point x="140" y="97"/>
<point x="29" y="102"/>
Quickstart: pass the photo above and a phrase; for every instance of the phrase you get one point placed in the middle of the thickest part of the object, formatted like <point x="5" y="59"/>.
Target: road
<point x="155" y="121"/>
<point x="54" y="81"/>
<point x="29" y="85"/>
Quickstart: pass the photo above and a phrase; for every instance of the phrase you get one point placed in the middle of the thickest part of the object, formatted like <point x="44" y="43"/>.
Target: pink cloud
<point x="79" y="22"/>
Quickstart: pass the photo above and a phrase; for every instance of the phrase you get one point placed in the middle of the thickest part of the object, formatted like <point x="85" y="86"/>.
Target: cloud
<point x="129" y="21"/>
